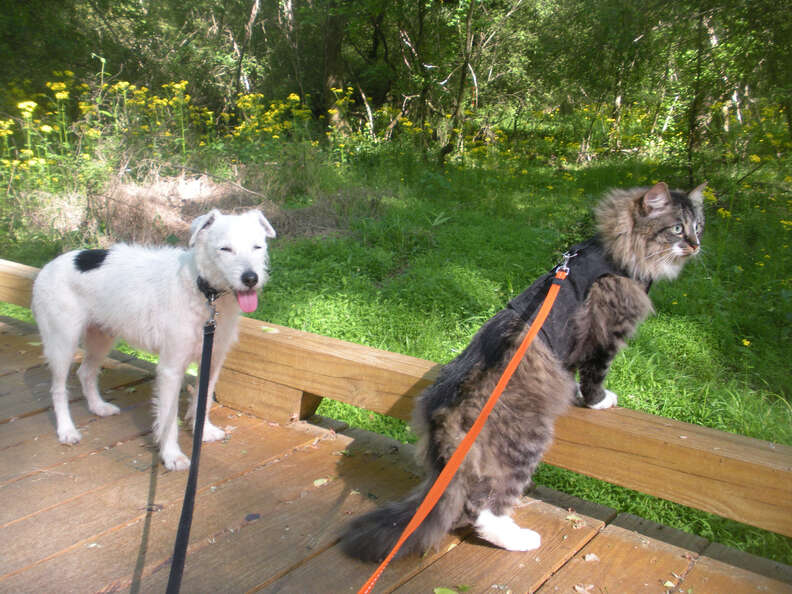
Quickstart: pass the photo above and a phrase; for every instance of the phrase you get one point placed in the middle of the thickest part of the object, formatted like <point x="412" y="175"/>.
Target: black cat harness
<point x="585" y="263"/>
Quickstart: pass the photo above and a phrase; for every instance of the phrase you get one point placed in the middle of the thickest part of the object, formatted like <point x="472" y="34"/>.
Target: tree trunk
<point x="333" y="63"/>
<point x="456" y="119"/>
<point x="695" y="105"/>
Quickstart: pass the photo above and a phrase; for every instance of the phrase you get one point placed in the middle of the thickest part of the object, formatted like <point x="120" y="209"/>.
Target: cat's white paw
<point x="523" y="539"/>
<point x="609" y="401"/>
<point x="502" y="531"/>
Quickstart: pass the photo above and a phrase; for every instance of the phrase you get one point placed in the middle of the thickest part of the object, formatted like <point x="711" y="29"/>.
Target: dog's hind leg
<point x="97" y="345"/>
<point x="60" y="343"/>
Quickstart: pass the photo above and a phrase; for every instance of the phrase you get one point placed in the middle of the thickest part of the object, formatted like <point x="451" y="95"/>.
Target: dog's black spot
<point x="89" y="259"/>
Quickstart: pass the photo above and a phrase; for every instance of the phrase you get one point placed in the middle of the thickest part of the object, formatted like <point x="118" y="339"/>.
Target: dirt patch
<point x="160" y="211"/>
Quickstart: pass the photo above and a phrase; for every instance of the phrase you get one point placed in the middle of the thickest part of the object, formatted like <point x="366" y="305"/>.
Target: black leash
<point x="183" y="533"/>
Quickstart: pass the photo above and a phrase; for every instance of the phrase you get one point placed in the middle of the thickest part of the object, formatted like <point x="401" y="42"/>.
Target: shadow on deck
<point x="102" y="515"/>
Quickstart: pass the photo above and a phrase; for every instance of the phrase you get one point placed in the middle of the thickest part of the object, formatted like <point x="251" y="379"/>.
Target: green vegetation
<point x="447" y="175"/>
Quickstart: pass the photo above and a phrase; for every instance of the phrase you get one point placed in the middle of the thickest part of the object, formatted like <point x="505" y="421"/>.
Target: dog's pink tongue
<point x="248" y="300"/>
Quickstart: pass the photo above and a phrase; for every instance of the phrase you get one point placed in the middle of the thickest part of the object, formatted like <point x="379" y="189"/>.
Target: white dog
<point x="157" y="300"/>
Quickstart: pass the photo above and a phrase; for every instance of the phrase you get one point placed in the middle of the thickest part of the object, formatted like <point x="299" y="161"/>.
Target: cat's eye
<point x="677" y="229"/>
<point x="226" y="249"/>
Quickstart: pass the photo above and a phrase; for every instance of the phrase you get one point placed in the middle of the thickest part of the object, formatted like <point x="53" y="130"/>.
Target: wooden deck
<point x="102" y="515"/>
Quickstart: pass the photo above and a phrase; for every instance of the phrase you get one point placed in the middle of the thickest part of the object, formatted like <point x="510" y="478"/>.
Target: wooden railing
<point x="282" y="374"/>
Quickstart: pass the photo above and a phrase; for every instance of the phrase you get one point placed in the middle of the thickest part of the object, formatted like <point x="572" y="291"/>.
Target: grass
<point x="422" y="276"/>
<point x="426" y="254"/>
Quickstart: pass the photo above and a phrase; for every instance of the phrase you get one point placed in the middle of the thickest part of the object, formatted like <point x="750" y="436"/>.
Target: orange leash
<point x="448" y="472"/>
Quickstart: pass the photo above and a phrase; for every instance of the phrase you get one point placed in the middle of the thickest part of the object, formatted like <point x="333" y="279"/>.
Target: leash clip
<point x="564" y="266"/>
<point x="210" y="299"/>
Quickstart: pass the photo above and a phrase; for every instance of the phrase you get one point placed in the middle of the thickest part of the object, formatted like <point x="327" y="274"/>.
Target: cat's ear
<point x="656" y="200"/>
<point x="697" y="195"/>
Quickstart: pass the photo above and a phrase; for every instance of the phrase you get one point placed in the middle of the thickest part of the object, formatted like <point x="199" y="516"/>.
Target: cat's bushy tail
<point x="372" y="536"/>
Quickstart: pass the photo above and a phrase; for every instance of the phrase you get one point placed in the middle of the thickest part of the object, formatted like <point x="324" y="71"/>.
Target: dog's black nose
<point x="250" y="278"/>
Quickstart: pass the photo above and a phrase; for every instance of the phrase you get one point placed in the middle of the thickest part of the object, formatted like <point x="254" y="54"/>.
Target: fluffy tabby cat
<point x="644" y="234"/>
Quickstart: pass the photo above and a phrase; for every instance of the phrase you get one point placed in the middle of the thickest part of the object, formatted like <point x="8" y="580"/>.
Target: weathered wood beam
<point x="16" y="282"/>
<point x="737" y="477"/>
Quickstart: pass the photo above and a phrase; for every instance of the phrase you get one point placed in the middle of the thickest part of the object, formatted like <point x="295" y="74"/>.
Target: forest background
<point x="423" y="162"/>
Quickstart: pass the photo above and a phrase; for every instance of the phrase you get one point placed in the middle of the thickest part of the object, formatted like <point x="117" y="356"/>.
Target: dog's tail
<point x="372" y="536"/>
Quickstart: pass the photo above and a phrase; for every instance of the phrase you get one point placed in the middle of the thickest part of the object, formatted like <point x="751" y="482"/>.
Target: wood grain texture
<point x="479" y="566"/>
<point x="734" y="476"/>
<point x="272" y="501"/>
<point x="16" y="282"/>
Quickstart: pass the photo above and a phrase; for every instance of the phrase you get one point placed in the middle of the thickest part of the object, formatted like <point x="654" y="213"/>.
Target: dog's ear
<point x="202" y="223"/>
<point x="268" y="230"/>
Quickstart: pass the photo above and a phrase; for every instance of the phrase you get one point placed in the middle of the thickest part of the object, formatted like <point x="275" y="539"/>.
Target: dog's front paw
<point x="69" y="435"/>
<point x="212" y="432"/>
<point x="104" y="409"/>
<point x="176" y="461"/>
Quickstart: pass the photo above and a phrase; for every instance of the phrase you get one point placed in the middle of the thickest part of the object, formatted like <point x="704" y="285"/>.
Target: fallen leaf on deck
<point x="320" y="481"/>
<point x="590" y="557"/>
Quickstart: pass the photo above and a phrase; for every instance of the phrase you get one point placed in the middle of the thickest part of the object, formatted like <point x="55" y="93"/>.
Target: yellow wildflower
<point x="27" y="107"/>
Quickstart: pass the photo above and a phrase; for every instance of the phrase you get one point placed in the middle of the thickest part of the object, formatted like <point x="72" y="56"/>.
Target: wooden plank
<point x="370" y="378"/>
<point x="333" y="571"/>
<point x="13" y="326"/>
<point x="19" y="352"/>
<point x="709" y="575"/>
<point x="24" y="432"/>
<point x="28" y="392"/>
<point x="477" y="566"/>
<point x="16" y="282"/>
<point x="243" y="507"/>
<point x="737" y="477"/>
<point x="266" y="399"/>
<point x="751" y="563"/>
<point x="240" y="563"/>
<point x="47" y="540"/>
<point x="621" y="560"/>
<point x="32" y="446"/>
